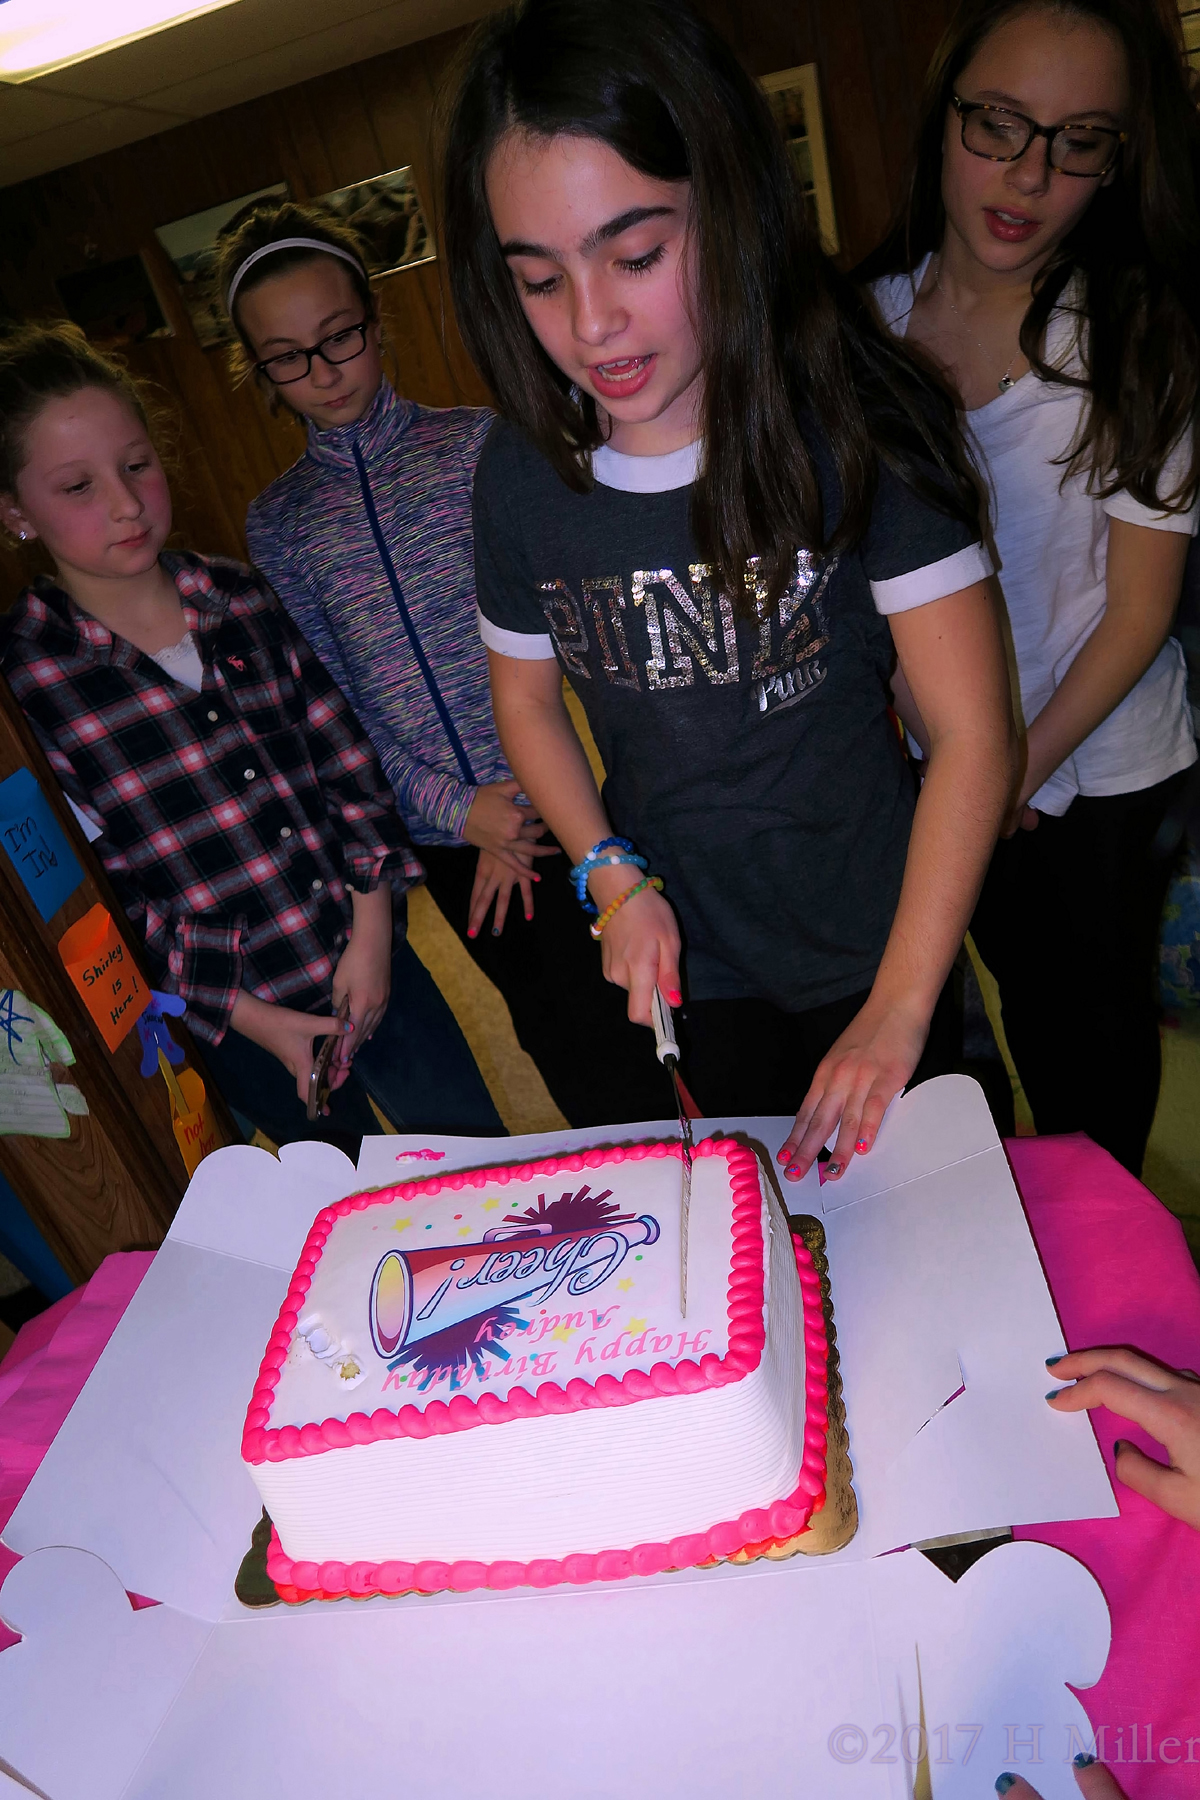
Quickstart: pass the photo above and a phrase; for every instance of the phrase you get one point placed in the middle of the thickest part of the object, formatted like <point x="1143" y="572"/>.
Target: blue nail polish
<point x="1083" y="1760"/>
<point x="1051" y="1360"/>
<point x="1055" y="1392"/>
<point x="1004" y="1782"/>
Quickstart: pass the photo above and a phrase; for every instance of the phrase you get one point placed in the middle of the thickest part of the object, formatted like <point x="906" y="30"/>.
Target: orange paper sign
<point x="195" y="1130"/>
<point x="99" y="963"/>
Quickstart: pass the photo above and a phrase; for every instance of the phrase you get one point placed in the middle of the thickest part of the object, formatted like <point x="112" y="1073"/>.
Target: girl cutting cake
<point x="715" y="486"/>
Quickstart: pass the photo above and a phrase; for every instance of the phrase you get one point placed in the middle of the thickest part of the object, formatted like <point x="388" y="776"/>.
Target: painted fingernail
<point x="784" y="1155"/>
<point x="793" y="1171"/>
<point x="1004" y="1782"/>
<point x="1055" y="1392"/>
<point x="832" y="1170"/>
<point x="528" y="918"/>
<point x="674" y="997"/>
<point x="1120" y="1444"/>
<point x="1051" y="1360"/>
<point x="1083" y="1760"/>
<point x="495" y="931"/>
<point x="472" y="931"/>
<point x="862" y="1145"/>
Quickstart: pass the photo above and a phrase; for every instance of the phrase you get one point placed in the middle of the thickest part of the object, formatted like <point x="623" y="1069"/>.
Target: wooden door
<point x="116" y="1181"/>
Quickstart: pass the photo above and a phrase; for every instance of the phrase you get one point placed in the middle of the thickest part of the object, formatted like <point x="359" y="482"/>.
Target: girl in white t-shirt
<point x="1045" y="263"/>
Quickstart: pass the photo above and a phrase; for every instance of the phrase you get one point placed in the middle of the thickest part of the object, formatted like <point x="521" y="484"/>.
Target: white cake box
<point x="943" y="1321"/>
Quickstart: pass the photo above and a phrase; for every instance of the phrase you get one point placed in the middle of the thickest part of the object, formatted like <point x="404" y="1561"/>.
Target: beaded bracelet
<point x="614" y="906"/>
<point x="594" y="860"/>
<point x="604" y="862"/>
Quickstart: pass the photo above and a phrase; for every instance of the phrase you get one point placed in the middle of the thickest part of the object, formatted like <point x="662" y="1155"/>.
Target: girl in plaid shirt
<point x="232" y="795"/>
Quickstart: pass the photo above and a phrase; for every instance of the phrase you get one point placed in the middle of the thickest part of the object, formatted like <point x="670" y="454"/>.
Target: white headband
<point x="289" y="244"/>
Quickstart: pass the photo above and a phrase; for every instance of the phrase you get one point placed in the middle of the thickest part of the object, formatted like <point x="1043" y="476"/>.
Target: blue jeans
<point x="417" y="1068"/>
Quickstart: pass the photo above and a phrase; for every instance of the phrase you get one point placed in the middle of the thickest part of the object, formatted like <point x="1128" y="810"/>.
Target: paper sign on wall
<point x="35" y="844"/>
<point x="195" y="1128"/>
<point x="32" y="1103"/>
<point x="101" y="967"/>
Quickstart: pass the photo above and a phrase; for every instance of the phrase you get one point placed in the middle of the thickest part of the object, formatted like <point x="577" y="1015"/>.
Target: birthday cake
<point x="504" y="1378"/>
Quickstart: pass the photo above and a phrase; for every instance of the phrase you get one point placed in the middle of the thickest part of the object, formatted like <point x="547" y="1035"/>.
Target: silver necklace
<point x="1006" y="381"/>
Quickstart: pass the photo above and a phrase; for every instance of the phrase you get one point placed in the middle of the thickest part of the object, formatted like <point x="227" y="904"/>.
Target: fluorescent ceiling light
<point x="39" y="36"/>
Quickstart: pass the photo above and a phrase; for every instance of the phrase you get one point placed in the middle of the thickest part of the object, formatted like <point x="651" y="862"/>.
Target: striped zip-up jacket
<point x="367" y="541"/>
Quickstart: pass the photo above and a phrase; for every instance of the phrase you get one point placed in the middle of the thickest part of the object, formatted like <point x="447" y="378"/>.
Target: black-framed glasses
<point x="1002" y="135"/>
<point x="339" y="347"/>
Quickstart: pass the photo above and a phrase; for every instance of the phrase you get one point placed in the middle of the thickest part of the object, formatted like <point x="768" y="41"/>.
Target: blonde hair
<point x="39" y="363"/>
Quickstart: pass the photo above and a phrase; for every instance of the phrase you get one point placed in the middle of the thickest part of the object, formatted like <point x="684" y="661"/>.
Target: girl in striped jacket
<point x="367" y="541"/>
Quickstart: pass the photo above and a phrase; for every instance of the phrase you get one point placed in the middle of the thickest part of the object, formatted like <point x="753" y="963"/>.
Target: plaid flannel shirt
<point x="235" y="821"/>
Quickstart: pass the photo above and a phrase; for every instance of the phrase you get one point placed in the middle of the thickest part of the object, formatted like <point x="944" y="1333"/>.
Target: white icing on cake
<point x="398" y="1282"/>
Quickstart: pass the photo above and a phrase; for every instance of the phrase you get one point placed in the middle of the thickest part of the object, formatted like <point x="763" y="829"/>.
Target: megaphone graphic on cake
<point x="574" y="1244"/>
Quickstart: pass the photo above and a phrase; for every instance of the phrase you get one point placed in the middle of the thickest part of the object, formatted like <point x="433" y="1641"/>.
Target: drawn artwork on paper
<point x="794" y="96"/>
<point x="32" y="1102"/>
<point x="114" y="304"/>
<point x="386" y="213"/>
<point x="193" y="245"/>
<point x="446" y="1310"/>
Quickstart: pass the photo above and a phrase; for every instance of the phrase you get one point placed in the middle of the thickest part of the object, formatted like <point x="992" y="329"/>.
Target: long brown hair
<point x="1136" y="250"/>
<point x="785" y="340"/>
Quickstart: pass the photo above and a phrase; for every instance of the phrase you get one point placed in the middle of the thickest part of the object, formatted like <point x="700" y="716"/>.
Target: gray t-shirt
<point x="755" y="765"/>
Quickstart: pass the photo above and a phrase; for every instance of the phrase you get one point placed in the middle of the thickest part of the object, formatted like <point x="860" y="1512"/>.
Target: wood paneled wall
<point x="358" y="122"/>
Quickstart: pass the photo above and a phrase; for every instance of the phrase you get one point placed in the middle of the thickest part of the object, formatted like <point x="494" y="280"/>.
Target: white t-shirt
<point x="1050" y="544"/>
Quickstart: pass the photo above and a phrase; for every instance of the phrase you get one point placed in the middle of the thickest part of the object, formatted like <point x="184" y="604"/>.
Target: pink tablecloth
<point x="1120" y="1272"/>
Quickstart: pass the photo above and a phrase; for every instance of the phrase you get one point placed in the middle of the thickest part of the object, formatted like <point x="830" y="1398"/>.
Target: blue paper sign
<point x="34" y="843"/>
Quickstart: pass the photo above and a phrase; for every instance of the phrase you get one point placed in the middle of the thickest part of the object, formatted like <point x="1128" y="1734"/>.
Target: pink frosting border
<point x="262" y="1442"/>
<point x="756" y="1531"/>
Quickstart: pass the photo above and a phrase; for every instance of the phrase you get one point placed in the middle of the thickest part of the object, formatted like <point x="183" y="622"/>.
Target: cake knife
<point x="667" y="1051"/>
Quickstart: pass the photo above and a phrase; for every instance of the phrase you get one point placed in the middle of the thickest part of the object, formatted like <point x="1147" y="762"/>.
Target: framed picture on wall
<point x="114" y="304"/>
<point x="192" y="245"/>
<point x="795" y="99"/>
<point x="387" y="215"/>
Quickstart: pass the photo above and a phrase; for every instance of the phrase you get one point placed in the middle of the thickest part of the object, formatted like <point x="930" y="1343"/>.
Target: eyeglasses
<point x="340" y="347"/>
<point x="1004" y="136"/>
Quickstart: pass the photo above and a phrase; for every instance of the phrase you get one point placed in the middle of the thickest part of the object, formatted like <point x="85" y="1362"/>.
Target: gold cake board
<point x="837" y="1521"/>
<point x="829" y="1529"/>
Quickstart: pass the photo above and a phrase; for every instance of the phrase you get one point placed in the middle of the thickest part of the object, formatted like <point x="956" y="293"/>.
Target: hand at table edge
<point x="1094" y="1781"/>
<point x="1164" y="1402"/>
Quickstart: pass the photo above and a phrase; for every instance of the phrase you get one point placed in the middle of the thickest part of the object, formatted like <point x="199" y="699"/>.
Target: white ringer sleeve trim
<point x="525" y="646"/>
<point x="901" y="593"/>
<point x="1123" y="506"/>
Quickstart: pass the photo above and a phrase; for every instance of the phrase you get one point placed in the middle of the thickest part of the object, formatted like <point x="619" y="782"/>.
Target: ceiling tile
<point x="202" y="45"/>
<point x="24" y="111"/>
<point x="238" y="53"/>
<point x="106" y="129"/>
<point x="303" y="58"/>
